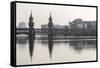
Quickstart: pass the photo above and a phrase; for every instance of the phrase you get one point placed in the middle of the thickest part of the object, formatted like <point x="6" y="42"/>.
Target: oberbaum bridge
<point x="32" y="31"/>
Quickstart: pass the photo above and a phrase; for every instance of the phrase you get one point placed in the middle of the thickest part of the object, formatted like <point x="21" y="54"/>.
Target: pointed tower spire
<point x="50" y="18"/>
<point x="31" y="13"/>
<point x="31" y="18"/>
<point x="50" y="14"/>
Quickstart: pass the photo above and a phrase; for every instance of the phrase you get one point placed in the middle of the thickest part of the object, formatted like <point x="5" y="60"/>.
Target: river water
<point x="42" y="50"/>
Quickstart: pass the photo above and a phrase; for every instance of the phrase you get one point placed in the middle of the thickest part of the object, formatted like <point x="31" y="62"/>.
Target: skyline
<point x="61" y="15"/>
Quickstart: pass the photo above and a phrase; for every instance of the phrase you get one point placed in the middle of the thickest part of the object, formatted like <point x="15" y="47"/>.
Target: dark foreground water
<point x="42" y="50"/>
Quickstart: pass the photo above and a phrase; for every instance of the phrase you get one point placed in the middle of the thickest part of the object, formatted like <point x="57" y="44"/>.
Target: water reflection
<point x="82" y="44"/>
<point x="22" y="40"/>
<point x="72" y="44"/>
<point x="31" y="45"/>
<point x="50" y="44"/>
<point x="75" y="44"/>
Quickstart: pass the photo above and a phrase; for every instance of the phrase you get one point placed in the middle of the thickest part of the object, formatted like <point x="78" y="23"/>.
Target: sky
<point x="61" y="15"/>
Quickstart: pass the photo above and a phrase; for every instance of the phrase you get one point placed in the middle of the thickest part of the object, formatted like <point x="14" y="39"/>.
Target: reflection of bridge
<point x="37" y="31"/>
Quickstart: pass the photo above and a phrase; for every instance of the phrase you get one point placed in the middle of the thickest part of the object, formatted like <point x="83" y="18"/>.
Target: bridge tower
<point x="50" y="35"/>
<point x="50" y="25"/>
<point x="31" y="25"/>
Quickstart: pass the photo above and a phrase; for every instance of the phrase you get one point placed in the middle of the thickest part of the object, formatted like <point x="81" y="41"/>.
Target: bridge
<point x="37" y="31"/>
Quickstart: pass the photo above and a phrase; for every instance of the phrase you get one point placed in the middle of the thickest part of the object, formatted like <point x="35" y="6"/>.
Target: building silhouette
<point x="77" y="27"/>
<point x="22" y="25"/>
<point x="31" y="25"/>
<point x="50" y="25"/>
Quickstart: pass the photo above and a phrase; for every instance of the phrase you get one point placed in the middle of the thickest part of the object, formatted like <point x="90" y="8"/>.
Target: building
<point x="77" y="24"/>
<point x="80" y="24"/>
<point x="22" y="25"/>
<point x="80" y="27"/>
<point x="90" y="25"/>
<point x="45" y="26"/>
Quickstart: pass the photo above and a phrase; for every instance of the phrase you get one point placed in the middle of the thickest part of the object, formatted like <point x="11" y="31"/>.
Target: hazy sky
<point x="60" y="14"/>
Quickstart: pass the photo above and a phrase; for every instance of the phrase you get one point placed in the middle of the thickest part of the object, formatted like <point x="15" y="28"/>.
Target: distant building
<point x="80" y="24"/>
<point x="80" y="27"/>
<point x="45" y="26"/>
<point x="22" y="25"/>
<point x="90" y="24"/>
<point x="57" y="29"/>
<point x="77" y="23"/>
